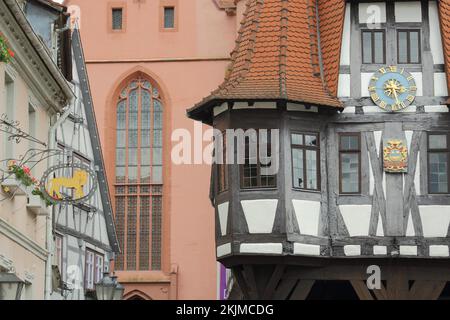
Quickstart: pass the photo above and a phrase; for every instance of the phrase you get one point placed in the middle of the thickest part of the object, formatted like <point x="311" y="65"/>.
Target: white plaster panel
<point x="435" y="35"/>
<point x="257" y="105"/>
<point x="440" y="84"/>
<point x="262" y="248"/>
<point x="380" y="230"/>
<point x="265" y="105"/>
<point x="409" y="135"/>
<point x="344" y="86"/>
<point x="417" y="175"/>
<point x="260" y="215"/>
<point x="223" y="217"/>
<point x="371" y="13"/>
<point x="350" y="110"/>
<point x="380" y="250"/>
<point x="373" y="109"/>
<point x="418" y="78"/>
<point x="410" y="11"/>
<point x="220" y="109"/>
<point x="435" y="220"/>
<point x="439" y="251"/>
<point x="378" y="136"/>
<point x="224" y="250"/>
<point x="408" y="250"/>
<point x="438" y="108"/>
<point x="408" y="109"/>
<point x="308" y="215"/>
<point x="365" y="80"/>
<point x="371" y="178"/>
<point x="352" y="251"/>
<point x="410" y="227"/>
<point x="306" y="249"/>
<point x="345" y="50"/>
<point x="357" y="219"/>
<point x="301" y="107"/>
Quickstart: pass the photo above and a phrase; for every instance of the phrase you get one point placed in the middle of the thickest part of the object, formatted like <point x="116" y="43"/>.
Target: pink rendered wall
<point x="187" y="64"/>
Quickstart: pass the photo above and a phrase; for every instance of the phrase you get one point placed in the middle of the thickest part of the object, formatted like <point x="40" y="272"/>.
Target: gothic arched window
<point x="139" y="175"/>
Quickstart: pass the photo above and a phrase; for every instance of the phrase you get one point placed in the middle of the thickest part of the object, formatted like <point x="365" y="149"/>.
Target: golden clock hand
<point x="396" y="96"/>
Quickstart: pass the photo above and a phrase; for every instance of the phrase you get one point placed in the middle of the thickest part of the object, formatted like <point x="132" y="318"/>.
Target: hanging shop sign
<point x="69" y="184"/>
<point x="395" y="156"/>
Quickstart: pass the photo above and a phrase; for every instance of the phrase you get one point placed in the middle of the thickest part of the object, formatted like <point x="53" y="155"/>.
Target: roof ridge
<point x="283" y="46"/>
<point x="250" y="50"/>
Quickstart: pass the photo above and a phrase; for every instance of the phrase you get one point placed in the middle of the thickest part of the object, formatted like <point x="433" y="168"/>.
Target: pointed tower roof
<point x="283" y="53"/>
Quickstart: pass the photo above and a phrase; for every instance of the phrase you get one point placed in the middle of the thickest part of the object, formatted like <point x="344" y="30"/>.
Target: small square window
<point x="169" y="17"/>
<point x="117" y="19"/>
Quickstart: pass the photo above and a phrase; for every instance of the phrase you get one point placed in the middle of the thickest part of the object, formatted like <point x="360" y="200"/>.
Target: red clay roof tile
<point x="277" y="54"/>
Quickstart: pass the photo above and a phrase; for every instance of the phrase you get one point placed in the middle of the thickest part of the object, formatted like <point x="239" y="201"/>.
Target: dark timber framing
<point x="393" y="199"/>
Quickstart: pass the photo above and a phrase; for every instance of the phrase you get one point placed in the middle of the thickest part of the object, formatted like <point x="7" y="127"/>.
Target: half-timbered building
<point x="358" y="93"/>
<point x="83" y="238"/>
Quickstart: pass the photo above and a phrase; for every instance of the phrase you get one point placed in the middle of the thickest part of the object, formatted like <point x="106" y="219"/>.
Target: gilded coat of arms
<point x="395" y="157"/>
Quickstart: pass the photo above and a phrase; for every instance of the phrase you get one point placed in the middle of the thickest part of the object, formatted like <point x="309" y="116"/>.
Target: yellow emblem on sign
<point x="77" y="183"/>
<point x="395" y="157"/>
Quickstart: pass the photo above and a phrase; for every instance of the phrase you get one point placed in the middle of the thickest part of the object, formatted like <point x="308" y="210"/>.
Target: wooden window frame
<point x="372" y="37"/>
<point x="94" y="275"/>
<point x="429" y="151"/>
<point x="61" y="254"/>
<point x="359" y="152"/>
<point x="258" y="164"/>
<point x="304" y="148"/>
<point x="408" y="46"/>
<point x="223" y="169"/>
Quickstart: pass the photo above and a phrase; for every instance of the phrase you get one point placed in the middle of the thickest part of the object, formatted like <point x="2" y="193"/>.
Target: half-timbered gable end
<point x="86" y="232"/>
<point x="358" y="91"/>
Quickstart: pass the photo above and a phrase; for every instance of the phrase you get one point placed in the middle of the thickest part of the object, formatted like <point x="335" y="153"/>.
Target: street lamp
<point x="118" y="292"/>
<point x="10" y="286"/>
<point x="108" y="288"/>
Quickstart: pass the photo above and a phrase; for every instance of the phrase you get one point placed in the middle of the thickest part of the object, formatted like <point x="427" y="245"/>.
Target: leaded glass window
<point x="139" y="175"/>
<point x="306" y="161"/>
<point x="438" y="163"/>
<point x="350" y="163"/>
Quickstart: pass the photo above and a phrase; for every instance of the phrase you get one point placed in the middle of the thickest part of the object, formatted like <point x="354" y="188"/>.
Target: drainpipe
<point x="49" y="236"/>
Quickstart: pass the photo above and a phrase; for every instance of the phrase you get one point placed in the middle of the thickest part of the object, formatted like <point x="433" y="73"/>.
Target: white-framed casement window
<point x="99" y="263"/>
<point x="59" y="252"/>
<point x="94" y="269"/>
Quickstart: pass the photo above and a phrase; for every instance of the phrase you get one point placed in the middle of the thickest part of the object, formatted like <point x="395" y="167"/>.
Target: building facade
<point x="57" y="250"/>
<point x="84" y="241"/>
<point x="354" y="95"/>
<point x="33" y="91"/>
<point x="156" y="58"/>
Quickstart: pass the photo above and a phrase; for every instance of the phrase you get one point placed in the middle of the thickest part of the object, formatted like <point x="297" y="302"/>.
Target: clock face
<point x="392" y="88"/>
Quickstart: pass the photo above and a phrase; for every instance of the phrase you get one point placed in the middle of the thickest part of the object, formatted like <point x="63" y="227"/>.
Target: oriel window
<point x="306" y="161"/>
<point x="373" y="46"/>
<point x="409" y="49"/>
<point x="253" y="171"/>
<point x="222" y="168"/>
<point x="350" y="163"/>
<point x="438" y="163"/>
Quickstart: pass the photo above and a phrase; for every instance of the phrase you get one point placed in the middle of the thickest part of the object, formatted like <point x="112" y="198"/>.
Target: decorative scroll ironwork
<point x="12" y="129"/>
